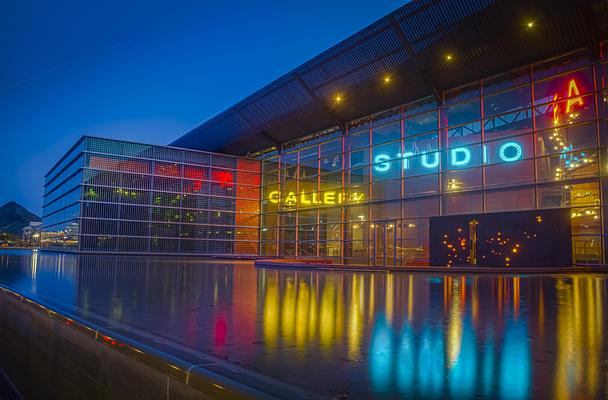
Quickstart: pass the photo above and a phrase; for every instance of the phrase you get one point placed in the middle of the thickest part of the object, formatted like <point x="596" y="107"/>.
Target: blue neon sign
<point x="458" y="157"/>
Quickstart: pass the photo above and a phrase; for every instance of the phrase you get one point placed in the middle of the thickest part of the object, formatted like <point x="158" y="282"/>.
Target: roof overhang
<point x="486" y="37"/>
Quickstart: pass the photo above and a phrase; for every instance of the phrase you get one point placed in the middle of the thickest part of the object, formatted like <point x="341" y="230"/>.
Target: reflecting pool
<point x="348" y="334"/>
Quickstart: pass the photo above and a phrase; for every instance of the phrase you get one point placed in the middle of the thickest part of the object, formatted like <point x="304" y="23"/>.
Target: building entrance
<point x="384" y="243"/>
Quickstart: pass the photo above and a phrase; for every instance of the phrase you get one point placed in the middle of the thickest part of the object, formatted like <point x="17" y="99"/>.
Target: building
<point x="31" y="234"/>
<point x="121" y="197"/>
<point x="448" y="132"/>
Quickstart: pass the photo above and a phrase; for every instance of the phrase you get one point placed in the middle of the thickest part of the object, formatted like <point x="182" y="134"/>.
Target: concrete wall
<point x="47" y="357"/>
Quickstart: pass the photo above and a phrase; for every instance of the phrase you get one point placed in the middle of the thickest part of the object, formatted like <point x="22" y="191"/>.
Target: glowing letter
<point x="291" y="199"/>
<point x="314" y="198"/>
<point x="406" y="162"/>
<point x="357" y="197"/>
<point x="456" y="161"/>
<point x="303" y="199"/>
<point x="503" y="149"/>
<point x="381" y="162"/>
<point x="573" y="89"/>
<point x="430" y="164"/>
<point x="329" y="198"/>
<point x="273" y="197"/>
<point x="485" y="154"/>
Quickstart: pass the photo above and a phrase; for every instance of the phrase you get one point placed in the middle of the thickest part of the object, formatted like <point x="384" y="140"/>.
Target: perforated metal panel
<point x="486" y="36"/>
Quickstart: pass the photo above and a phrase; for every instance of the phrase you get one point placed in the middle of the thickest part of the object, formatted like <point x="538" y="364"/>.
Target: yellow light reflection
<point x="580" y="321"/>
<point x="271" y="312"/>
<point x="454" y="334"/>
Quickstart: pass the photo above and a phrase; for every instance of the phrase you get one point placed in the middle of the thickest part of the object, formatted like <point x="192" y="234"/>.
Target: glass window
<point x="462" y="93"/>
<point x="566" y="112"/>
<point x="506" y="81"/>
<point x="578" y="164"/>
<point x="428" y="207"/>
<point x="386" y="170"/>
<point x="459" y="157"/>
<point x="464" y="134"/>
<point x="307" y="217"/>
<point x="515" y="173"/>
<point x="560" y="65"/>
<point x="387" y="189"/>
<point x="508" y="150"/>
<point x="421" y="185"/>
<point x="358" y="176"/>
<point x="509" y="101"/>
<point x="563" y="87"/>
<point x="331" y="181"/>
<point x="358" y="158"/>
<point x="421" y="144"/>
<point x="356" y="213"/>
<point x="507" y="200"/>
<point x="566" y="195"/>
<point x="386" y="210"/>
<point x="331" y="163"/>
<point x="358" y="138"/>
<point x="386" y="133"/>
<point x="422" y="123"/>
<point x="427" y="162"/>
<point x="462" y="179"/>
<point x="462" y="112"/>
<point x="330" y="148"/>
<point x="421" y="106"/>
<point x="462" y="203"/>
<point x="568" y="138"/>
<point x="309" y="156"/>
<point x="513" y="123"/>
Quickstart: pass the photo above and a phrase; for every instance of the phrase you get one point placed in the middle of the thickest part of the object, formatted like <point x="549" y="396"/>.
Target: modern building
<point x="121" y="197"/>
<point x="448" y="132"/>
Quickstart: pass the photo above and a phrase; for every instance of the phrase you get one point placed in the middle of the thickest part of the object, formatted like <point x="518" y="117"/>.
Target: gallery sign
<point x="307" y="199"/>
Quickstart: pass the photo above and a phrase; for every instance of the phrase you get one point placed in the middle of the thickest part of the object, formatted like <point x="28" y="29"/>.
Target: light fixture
<point x="530" y="24"/>
<point x="386" y="79"/>
<point x="449" y="57"/>
<point x="338" y="98"/>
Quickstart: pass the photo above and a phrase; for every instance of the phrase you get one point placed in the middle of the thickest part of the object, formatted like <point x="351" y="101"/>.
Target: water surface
<point x="347" y="334"/>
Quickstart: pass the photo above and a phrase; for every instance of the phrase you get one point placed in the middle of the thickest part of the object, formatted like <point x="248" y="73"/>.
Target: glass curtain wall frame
<point x="139" y="198"/>
<point x="531" y="138"/>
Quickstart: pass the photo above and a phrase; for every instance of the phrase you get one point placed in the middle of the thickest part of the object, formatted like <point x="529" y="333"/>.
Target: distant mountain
<point x="14" y="217"/>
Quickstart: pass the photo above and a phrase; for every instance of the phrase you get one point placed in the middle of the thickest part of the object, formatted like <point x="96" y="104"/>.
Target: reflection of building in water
<point x="446" y="359"/>
<point x="580" y="338"/>
<point x="303" y="309"/>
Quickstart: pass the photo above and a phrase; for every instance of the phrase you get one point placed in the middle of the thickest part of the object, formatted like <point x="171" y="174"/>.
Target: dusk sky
<point x="145" y="71"/>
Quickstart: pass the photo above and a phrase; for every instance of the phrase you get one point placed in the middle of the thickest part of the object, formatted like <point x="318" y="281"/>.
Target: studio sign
<point x="314" y="198"/>
<point x="458" y="157"/>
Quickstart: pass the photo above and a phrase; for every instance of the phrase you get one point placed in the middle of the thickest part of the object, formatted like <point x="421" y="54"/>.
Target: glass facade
<point x="121" y="197"/>
<point x="530" y="139"/>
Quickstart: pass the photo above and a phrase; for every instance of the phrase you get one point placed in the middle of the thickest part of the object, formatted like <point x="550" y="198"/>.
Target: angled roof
<point x="486" y="37"/>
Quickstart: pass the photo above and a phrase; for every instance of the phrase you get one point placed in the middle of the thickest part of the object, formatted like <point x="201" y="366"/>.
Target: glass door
<point x="384" y="243"/>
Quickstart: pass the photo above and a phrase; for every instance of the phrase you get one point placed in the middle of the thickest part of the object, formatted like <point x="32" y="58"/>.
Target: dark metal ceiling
<point x="486" y="37"/>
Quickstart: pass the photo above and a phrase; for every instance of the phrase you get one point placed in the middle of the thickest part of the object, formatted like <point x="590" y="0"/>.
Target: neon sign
<point x="458" y="157"/>
<point x="306" y="199"/>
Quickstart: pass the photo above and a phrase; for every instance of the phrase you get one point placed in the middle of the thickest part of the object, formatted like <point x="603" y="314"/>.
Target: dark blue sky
<point x="143" y="70"/>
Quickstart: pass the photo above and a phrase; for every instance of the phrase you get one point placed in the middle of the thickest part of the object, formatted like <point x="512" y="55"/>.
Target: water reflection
<point x="356" y="334"/>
